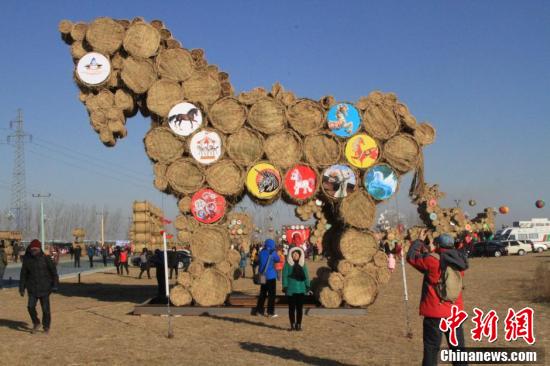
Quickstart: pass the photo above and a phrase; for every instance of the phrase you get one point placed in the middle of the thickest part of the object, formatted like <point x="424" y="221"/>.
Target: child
<point x="295" y="286"/>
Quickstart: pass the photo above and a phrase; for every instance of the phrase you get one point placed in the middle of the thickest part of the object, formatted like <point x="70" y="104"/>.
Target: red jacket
<point x="431" y="305"/>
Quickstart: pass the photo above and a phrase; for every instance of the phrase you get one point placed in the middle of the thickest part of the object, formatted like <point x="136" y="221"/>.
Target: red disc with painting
<point x="207" y="206"/>
<point x="301" y="182"/>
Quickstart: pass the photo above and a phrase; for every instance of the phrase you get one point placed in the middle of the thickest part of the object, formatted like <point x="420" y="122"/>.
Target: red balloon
<point x="539" y="203"/>
<point x="503" y="210"/>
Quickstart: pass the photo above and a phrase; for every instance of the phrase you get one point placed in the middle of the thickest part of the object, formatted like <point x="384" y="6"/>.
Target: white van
<point x="536" y="230"/>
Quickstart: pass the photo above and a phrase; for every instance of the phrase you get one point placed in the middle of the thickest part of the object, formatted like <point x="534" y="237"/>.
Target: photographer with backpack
<point x="443" y="271"/>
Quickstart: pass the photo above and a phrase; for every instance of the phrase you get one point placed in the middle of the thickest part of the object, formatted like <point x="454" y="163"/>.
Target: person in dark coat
<point x="145" y="263"/>
<point x="104" y="255"/>
<point x="39" y="277"/>
<point x="432" y="307"/>
<point x="158" y="261"/>
<point x="91" y="253"/>
<point x="268" y="257"/>
<point x="173" y="261"/>
<point x="16" y="249"/>
<point x="3" y="263"/>
<point x="77" y="255"/>
<point x="116" y="254"/>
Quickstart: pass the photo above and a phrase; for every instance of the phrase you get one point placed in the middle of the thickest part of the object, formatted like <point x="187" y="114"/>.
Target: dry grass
<point x="92" y="326"/>
<point x="541" y="283"/>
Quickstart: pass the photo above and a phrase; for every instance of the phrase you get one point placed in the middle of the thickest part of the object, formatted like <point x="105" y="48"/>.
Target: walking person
<point x="145" y="263"/>
<point x="71" y="252"/>
<point x="77" y="255"/>
<point x="158" y="260"/>
<point x="104" y="255"/>
<point x="15" y="252"/>
<point x="267" y="258"/>
<point x="39" y="277"/>
<point x="173" y="262"/>
<point x="124" y="254"/>
<point x="91" y="253"/>
<point x="433" y="305"/>
<point x="54" y="254"/>
<point x="280" y="264"/>
<point x="295" y="285"/>
<point x="242" y="262"/>
<point x="3" y="263"/>
<point x="116" y="254"/>
<point x="254" y="258"/>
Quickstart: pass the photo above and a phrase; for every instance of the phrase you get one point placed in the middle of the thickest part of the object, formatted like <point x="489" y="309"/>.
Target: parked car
<point x="517" y="247"/>
<point x="183" y="258"/>
<point x="489" y="249"/>
<point x="538" y="247"/>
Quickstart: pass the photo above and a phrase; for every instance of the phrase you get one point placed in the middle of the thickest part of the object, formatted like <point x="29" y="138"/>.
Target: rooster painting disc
<point x="381" y="182"/>
<point x="184" y="118"/>
<point x="206" y="147"/>
<point x="207" y="206"/>
<point x="343" y="119"/>
<point x="362" y="151"/>
<point x="263" y="181"/>
<point x="93" y="68"/>
<point x="301" y="182"/>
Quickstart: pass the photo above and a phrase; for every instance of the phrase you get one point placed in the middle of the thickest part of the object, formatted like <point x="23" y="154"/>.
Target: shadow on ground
<point x="15" y="325"/>
<point x="290" y="354"/>
<point x="244" y="321"/>
<point x="109" y="292"/>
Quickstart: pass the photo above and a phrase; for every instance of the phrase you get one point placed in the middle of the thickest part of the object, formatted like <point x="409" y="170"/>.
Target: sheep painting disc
<point x="343" y="119"/>
<point x="381" y="182"/>
<point x="93" y="68"/>
<point x="184" y="118"/>
<point x="301" y="182"/>
<point x="362" y="151"/>
<point x="207" y="206"/>
<point x="263" y="181"/>
<point x="339" y="181"/>
<point x="206" y="147"/>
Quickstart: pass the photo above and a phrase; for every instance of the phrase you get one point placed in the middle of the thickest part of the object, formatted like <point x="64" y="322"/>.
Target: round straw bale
<point x="183" y="222"/>
<point x="345" y="267"/>
<point x="77" y="50"/>
<point x="225" y="177"/>
<point x="138" y="75"/>
<point x="106" y="137"/>
<point x="162" y="96"/>
<point x="402" y="152"/>
<point x="224" y="267"/>
<point x="65" y="26"/>
<point x="336" y="281"/>
<point x="196" y="268"/>
<point x="267" y="115"/>
<point x="322" y="149"/>
<point x="180" y="296"/>
<point x="117" y="128"/>
<point x="157" y="24"/>
<point x="162" y="145"/>
<point x="165" y="34"/>
<point x="330" y="299"/>
<point x="380" y="259"/>
<point x="369" y="268"/>
<point x="79" y="232"/>
<point x="383" y="275"/>
<point x="424" y="134"/>
<point x="210" y="244"/>
<point x="184" y="176"/>
<point x="185" y="279"/>
<point x="184" y="204"/>
<point x="252" y="96"/>
<point x="211" y="288"/>
<point x="358" y="247"/>
<point x="358" y="210"/>
<point x="175" y="64"/>
<point x="141" y="40"/>
<point x="123" y="22"/>
<point x="407" y="119"/>
<point x="202" y="87"/>
<point x="360" y="289"/>
<point x="124" y="100"/>
<point x="105" y="35"/>
<point x="78" y="32"/>
<point x="284" y="149"/>
<point x="173" y="44"/>
<point x="227" y="114"/>
<point x="245" y="146"/>
<point x="185" y="236"/>
<point x="234" y="257"/>
<point x="98" y="120"/>
<point x="380" y="121"/>
<point x="306" y="116"/>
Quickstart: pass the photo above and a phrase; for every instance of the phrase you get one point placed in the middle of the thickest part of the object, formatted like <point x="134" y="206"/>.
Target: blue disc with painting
<point x="343" y="119"/>
<point x="381" y="182"/>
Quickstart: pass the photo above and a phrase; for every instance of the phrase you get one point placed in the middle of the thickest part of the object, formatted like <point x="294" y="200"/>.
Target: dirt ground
<point x="92" y="325"/>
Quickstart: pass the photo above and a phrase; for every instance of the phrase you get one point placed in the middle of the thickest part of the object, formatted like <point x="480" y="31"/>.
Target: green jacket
<point x="294" y="286"/>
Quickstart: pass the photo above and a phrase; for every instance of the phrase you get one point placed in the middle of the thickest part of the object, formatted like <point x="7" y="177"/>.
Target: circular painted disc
<point x="432" y="203"/>
<point x="301" y="182"/>
<point x="93" y="68"/>
<point x="263" y="181"/>
<point x="343" y="119"/>
<point x="207" y="206"/>
<point x="381" y="182"/>
<point x="184" y="118"/>
<point x="339" y="181"/>
<point x="362" y="151"/>
<point x="433" y="216"/>
<point x="206" y="147"/>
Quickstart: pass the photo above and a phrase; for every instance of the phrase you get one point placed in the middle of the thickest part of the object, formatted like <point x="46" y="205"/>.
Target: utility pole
<point x="42" y="233"/>
<point x="18" y="184"/>
<point x="102" y="214"/>
<point x="457" y="203"/>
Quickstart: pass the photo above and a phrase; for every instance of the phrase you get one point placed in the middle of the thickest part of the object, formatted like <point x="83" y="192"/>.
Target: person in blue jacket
<point x="268" y="257"/>
<point x="91" y="253"/>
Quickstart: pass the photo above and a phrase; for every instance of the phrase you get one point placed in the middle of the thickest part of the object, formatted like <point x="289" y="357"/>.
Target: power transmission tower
<point x="17" y="139"/>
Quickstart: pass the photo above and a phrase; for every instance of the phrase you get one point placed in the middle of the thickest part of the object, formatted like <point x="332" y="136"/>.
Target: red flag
<point x="165" y="221"/>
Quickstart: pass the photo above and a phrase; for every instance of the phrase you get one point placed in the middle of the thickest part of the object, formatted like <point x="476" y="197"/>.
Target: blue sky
<point x="477" y="70"/>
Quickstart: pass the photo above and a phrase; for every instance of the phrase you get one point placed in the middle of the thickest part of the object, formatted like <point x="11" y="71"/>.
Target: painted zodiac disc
<point x="343" y="119"/>
<point x="381" y="182"/>
<point x="339" y="181"/>
<point x="263" y="181"/>
<point x="93" y="68"/>
<point x="184" y="118"/>
<point x="206" y="147"/>
<point x="207" y="206"/>
<point x="301" y="182"/>
<point x="362" y="151"/>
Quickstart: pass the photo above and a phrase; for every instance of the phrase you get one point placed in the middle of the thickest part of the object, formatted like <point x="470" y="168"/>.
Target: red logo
<point x="485" y="326"/>
<point x="453" y="322"/>
<point x="520" y="325"/>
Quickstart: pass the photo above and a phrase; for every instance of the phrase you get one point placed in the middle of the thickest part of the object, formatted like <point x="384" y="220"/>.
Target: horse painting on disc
<point x="184" y="118"/>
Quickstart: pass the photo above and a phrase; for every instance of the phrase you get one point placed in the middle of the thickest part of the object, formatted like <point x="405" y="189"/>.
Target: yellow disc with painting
<point x="362" y="151"/>
<point x="263" y="181"/>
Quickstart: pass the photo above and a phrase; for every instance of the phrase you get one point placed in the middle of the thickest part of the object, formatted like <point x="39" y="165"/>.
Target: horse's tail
<point x="171" y="118"/>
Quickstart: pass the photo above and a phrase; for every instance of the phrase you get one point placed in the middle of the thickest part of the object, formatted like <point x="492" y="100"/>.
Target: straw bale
<point x="424" y="134"/>
<point x="267" y="115"/>
<point x="358" y="247"/>
<point x="211" y="288"/>
<point x="141" y="40"/>
<point x="322" y="149"/>
<point x="245" y="146"/>
<point x="360" y="289"/>
<point x="162" y="96"/>
<point x="358" y="210"/>
<point x="162" y="145"/>
<point x="336" y="281"/>
<point x="210" y="244"/>
<point x="402" y="152"/>
<point x="330" y="299"/>
<point x="283" y="149"/>
<point x="202" y="87"/>
<point x="306" y="116"/>
<point x="228" y="114"/>
<point x="138" y="75"/>
<point x="175" y="64"/>
<point x="105" y="35"/>
<point x="180" y="296"/>
<point x="184" y="176"/>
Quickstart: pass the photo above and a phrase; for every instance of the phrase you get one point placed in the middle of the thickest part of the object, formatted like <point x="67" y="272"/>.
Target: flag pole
<point x="405" y="289"/>
<point x="167" y="286"/>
